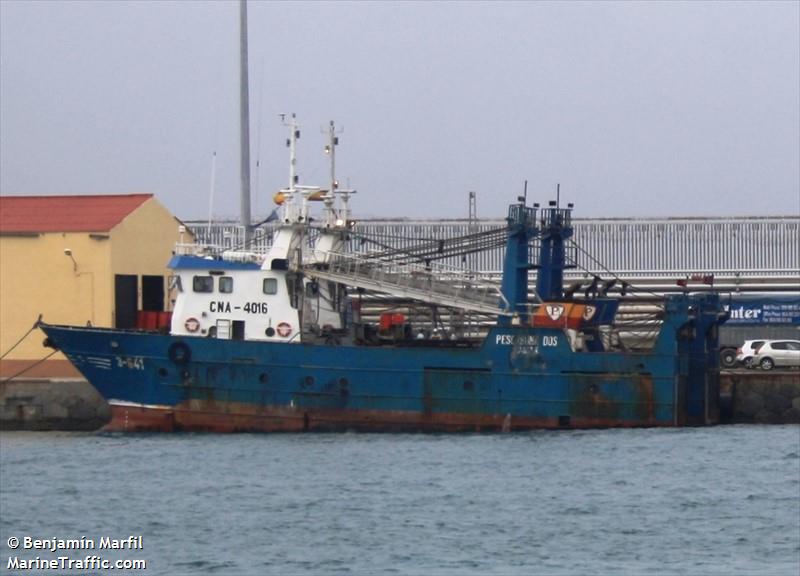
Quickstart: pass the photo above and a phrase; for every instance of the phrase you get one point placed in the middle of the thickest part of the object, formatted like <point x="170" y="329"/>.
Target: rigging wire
<point x="435" y="249"/>
<point x="608" y="271"/>
<point x="643" y="331"/>
<point x="418" y="239"/>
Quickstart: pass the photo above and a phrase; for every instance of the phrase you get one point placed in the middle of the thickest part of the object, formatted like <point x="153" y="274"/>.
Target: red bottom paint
<point x="202" y="416"/>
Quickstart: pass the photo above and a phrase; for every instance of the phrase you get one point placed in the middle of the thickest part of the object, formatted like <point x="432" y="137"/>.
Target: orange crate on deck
<point x="558" y="315"/>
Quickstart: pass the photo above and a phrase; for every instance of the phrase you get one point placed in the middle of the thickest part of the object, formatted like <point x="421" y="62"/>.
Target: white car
<point x="744" y="355"/>
<point x="774" y="353"/>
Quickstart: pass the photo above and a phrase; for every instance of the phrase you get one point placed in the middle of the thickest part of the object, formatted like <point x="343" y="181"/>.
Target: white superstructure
<point x="246" y="296"/>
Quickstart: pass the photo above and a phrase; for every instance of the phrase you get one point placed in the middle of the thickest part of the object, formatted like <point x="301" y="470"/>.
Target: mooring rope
<point x="34" y="327"/>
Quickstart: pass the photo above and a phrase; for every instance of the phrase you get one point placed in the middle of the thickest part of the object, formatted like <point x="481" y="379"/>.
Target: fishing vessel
<point x="280" y="341"/>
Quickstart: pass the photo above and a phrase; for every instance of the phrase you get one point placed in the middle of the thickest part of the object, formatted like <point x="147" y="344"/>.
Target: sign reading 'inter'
<point x="765" y="311"/>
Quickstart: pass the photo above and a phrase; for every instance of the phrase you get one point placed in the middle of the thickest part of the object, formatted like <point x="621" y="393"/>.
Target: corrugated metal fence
<point x="639" y="246"/>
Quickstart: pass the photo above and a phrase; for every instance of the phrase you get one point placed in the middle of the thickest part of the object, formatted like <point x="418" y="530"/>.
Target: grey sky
<point x="637" y="109"/>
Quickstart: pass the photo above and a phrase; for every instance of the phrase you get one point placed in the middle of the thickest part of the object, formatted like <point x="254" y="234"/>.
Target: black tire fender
<point x="179" y="353"/>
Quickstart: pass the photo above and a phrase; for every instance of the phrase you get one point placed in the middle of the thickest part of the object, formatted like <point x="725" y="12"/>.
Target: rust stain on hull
<point x="590" y="401"/>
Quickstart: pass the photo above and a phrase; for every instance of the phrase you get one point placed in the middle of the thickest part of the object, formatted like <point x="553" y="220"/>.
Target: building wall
<point x="142" y="244"/>
<point x="36" y="277"/>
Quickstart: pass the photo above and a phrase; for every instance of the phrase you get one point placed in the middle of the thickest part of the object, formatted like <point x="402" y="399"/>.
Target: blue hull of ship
<point x="519" y="378"/>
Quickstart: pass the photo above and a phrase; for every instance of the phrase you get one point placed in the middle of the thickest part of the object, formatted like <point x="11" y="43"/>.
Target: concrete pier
<point x="51" y="404"/>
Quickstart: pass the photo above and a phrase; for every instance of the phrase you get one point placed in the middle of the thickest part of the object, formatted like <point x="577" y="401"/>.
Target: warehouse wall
<point x="36" y="277"/>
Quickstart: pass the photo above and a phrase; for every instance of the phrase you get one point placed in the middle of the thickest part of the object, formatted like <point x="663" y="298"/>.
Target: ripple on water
<point x="697" y="501"/>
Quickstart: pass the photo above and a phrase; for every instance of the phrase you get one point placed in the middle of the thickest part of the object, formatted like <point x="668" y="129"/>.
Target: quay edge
<point x="52" y="404"/>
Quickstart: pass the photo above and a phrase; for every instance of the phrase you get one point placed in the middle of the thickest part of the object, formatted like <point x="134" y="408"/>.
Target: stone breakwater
<point x="760" y="397"/>
<point x="751" y="396"/>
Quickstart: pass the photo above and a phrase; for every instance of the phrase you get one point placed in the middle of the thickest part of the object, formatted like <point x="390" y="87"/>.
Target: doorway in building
<point x="125" y="300"/>
<point x="153" y="293"/>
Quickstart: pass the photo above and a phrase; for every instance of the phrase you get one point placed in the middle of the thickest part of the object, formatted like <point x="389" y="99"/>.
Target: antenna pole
<point x="333" y="186"/>
<point x="332" y="141"/>
<point x="330" y="149"/>
<point x="473" y="212"/>
<point x="294" y="134"/>
<point x="289" y="208"/>
<point x="211" y="193"/>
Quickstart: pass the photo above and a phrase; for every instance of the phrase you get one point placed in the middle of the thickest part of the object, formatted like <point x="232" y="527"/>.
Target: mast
<point x="291" y="143"/>
<point x="244" y="123"/>
<point x="335" y="216"/>
<point x="290" y="212"/>
<point x="330" y="150"/>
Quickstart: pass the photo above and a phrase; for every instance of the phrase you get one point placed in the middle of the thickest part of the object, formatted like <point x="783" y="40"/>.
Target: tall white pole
<point x="244" y="122"/>
<point x="211" y="192"/>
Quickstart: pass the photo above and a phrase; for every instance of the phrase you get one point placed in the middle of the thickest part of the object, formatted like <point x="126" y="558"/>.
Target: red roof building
<point x="66" y="213"/>
<point x="78" y="260"/>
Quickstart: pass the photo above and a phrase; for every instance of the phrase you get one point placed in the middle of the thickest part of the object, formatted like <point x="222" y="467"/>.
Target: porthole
<point x="263" y="378"/>
<point x="270" y="332"/>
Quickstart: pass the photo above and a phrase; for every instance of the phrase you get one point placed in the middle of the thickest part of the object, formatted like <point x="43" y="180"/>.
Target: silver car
<point x="775" y="353"/>
<point x="744" y="355"/>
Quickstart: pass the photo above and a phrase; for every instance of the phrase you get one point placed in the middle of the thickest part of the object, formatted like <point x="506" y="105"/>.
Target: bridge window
<point x="203" y="284"/>
<point x="270" y="285"/>
<point x="226" y="284"/>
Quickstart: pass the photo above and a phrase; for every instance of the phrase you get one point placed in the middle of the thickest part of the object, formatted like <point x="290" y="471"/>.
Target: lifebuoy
<point x="192" y="324"/>
<point x="284" y="329"/>
<point x="179" y="353"/>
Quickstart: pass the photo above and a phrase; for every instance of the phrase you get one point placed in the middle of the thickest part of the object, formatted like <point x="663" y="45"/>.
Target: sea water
<point x="722" y="500"/>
